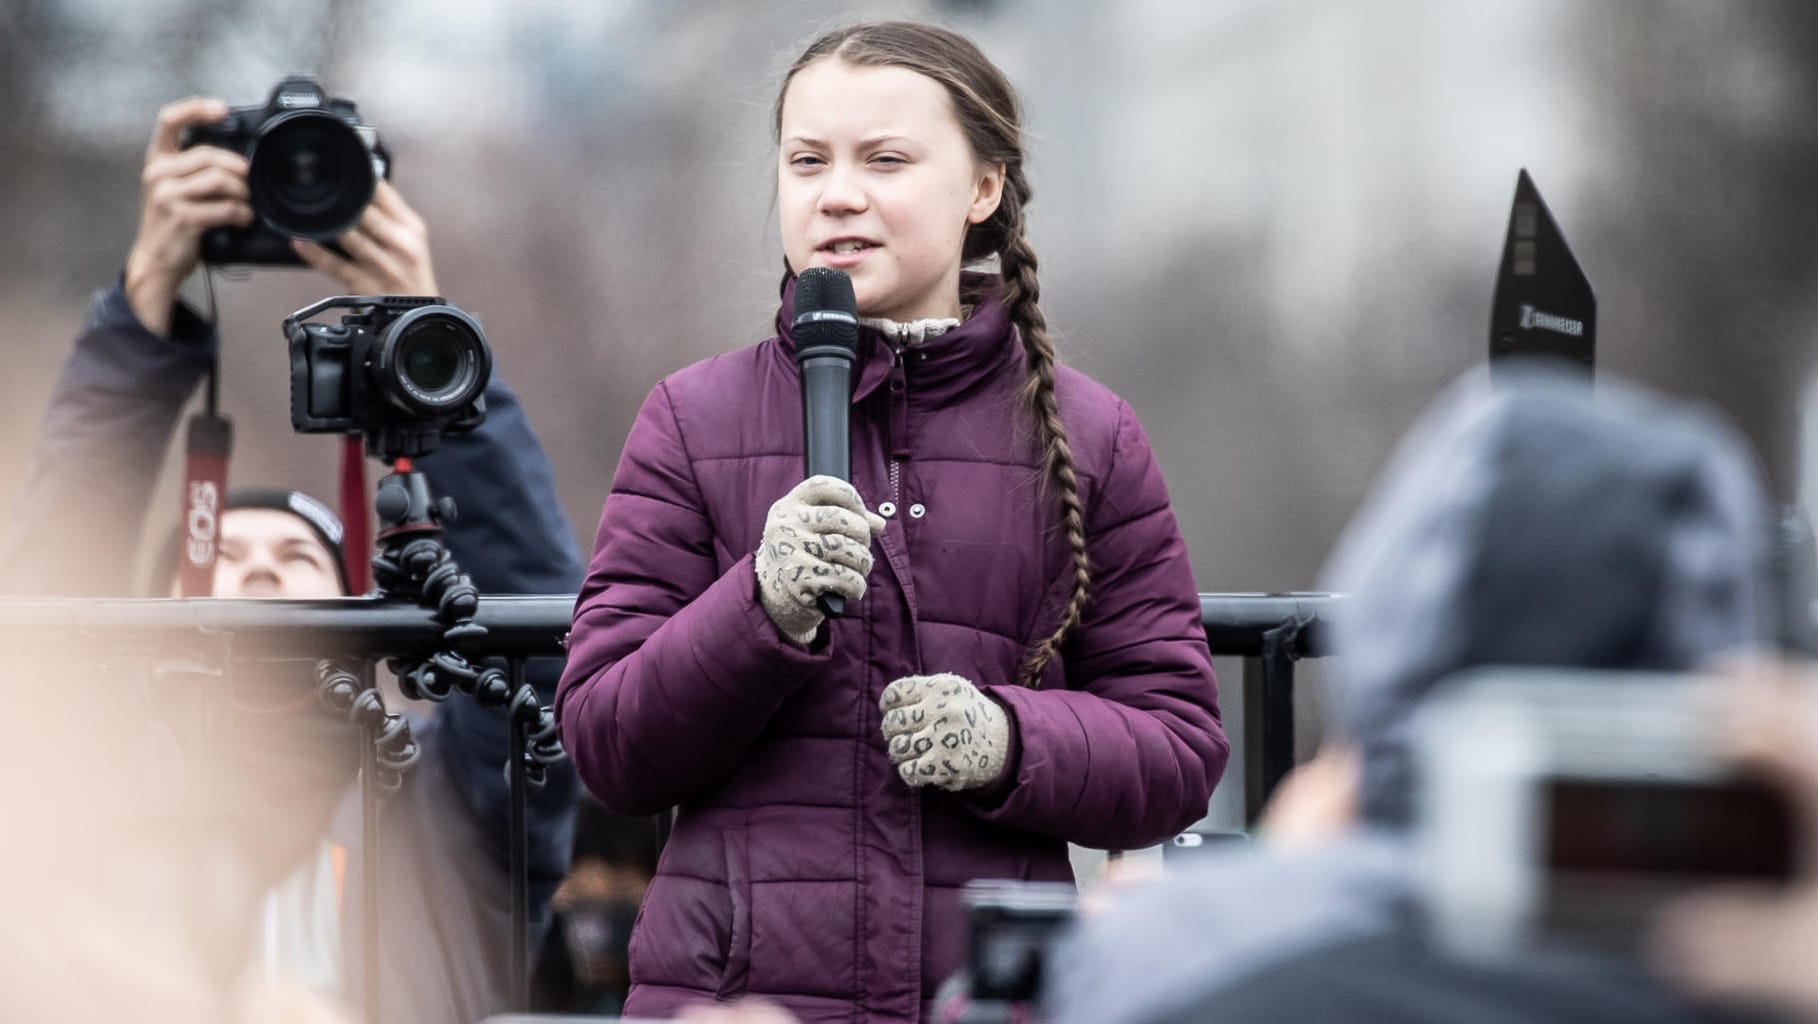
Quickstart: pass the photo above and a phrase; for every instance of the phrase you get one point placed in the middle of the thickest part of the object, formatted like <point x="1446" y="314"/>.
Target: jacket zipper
<point x="899" y="452"/>
<point x="899" y="420"/>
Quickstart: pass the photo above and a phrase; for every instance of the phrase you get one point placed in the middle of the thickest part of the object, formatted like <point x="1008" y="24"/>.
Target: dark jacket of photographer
<point x="1520" y="524"/>
<point x="445" y="896"/>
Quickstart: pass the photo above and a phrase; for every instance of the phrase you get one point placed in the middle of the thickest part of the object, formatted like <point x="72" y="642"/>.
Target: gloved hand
<point x="943" y="731"/>
<point x="817" y="540"/>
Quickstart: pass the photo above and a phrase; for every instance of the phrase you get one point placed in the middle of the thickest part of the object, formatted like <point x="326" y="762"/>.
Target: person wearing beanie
<point x="1530" y="523"/>
<point x="290" y="765"/>
<point x="274" y="543"/>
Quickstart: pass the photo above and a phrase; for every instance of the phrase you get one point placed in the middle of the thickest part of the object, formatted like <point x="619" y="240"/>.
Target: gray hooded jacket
<point x="1532" y="523"/>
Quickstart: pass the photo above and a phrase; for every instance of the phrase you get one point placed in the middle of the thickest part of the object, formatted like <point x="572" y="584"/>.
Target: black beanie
<point x="321" y="520"/>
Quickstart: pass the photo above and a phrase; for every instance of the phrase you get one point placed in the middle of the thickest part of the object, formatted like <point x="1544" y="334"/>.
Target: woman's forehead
<point x="837" y="100"/>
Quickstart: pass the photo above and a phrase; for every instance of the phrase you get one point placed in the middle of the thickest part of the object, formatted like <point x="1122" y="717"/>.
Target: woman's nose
<point x="842" y="192"/>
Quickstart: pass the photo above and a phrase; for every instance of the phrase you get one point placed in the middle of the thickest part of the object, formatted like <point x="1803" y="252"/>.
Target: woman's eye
<point x="805" y="162"/>
<point x="889" y="160"/>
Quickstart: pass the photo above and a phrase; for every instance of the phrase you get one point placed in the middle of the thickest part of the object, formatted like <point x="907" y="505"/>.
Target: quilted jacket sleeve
<point x="1127" y="754"/>
<point x="95" y="464"/>
<point x="673" y="667"/>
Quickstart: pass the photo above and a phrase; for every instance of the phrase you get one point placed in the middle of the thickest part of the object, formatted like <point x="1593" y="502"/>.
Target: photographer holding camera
<point x="188" y="191"/>
<point x="140" y="356"/>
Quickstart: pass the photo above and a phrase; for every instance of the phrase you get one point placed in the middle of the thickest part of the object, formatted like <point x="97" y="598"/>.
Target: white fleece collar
<point x="913" y="333"/>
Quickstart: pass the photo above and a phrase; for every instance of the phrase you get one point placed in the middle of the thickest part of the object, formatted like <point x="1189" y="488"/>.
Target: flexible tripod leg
<point x="372" y="794"/>
<point x="518" y="768"/>
<point x="414" y="565"/>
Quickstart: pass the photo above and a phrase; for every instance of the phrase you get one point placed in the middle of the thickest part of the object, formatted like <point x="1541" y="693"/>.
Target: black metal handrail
<point x="516" y="626"/>
<point x="1235" y="623"/>
<point x="1270" y="631"/>
<point x="265" y="629"/>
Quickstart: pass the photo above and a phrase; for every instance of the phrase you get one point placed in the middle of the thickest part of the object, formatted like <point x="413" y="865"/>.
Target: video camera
<point x="1569" y="805"/>
<point x="401" y="369"/>
<point x="313" y="168"/>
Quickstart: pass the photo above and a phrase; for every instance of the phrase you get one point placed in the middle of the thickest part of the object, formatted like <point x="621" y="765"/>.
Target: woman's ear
<point x="987" y="193"/>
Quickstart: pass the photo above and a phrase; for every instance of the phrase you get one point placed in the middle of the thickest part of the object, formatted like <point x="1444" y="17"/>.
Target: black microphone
<point x="825" y="327"/>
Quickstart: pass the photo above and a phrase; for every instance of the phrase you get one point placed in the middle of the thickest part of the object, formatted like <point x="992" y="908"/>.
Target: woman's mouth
<point x="846" y="252"/>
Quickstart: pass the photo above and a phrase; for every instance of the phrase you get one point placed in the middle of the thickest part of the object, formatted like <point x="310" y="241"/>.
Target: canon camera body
<point x="313" y="167"/>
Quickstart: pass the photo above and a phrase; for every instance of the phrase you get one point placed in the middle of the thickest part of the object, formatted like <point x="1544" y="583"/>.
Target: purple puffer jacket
<point x="801" y="867"/>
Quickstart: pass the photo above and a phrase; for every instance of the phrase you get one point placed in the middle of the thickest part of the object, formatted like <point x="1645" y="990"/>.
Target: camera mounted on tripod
<point x="401" y="369"/>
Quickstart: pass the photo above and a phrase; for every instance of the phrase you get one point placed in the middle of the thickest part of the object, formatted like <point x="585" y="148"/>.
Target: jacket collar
<point x="946" y="366"/>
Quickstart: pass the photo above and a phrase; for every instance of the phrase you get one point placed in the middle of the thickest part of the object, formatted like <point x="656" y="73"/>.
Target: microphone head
<point x="1543" y="304"/>
<point x="825" y="312"/>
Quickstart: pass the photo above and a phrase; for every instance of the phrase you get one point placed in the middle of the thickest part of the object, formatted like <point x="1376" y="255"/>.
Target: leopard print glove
<point x="817" y="540"/>
<point x="943" y="731"/>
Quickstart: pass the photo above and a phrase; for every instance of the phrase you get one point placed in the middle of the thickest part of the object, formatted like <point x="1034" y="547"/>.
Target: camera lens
<point x="433" y="359"/>
<point x="311" y="176"/>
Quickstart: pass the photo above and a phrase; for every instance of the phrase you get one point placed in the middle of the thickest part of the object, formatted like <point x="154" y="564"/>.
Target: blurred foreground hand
<point x="745" y="1011"/>
<point x="1754" y="943"/>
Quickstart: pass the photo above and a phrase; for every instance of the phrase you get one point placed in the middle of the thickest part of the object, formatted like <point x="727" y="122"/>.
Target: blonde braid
<point x="1022" y="298"/>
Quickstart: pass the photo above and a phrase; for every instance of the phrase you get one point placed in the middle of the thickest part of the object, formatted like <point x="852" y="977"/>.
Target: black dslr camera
<point x="314" y="166"/>
<point x="1010" y="927"/>
<point x="401" y="369"/>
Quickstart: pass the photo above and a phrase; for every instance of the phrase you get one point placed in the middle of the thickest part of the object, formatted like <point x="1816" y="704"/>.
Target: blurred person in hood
<point x="1526" y="524"/>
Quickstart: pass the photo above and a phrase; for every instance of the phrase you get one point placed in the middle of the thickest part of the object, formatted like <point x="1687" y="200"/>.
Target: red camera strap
<point x="356" y="537"/>
<point x="208" y="442"/>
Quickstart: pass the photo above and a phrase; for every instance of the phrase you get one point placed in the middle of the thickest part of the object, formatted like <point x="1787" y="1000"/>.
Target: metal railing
<point x="1271" y="633"/>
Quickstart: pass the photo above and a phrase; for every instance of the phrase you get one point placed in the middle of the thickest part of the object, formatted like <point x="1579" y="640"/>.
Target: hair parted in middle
<point x="990" y="115"/>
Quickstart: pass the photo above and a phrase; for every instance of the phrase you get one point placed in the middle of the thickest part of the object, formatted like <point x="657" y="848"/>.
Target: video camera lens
<point x="311" y="175"/>
<point x="404" y="370"/>
<point x="432" y="359"/>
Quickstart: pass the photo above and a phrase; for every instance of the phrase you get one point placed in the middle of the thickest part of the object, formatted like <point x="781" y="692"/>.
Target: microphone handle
<point x="827" y="430"/>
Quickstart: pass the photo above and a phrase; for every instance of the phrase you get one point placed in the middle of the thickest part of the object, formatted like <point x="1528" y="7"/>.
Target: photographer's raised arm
<point x="137" y="360"/>
<point x="509" y="533"/>
<point x="78" y="519"/>
<point x="185" y="192"/>
<point x="141" y="354"/>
